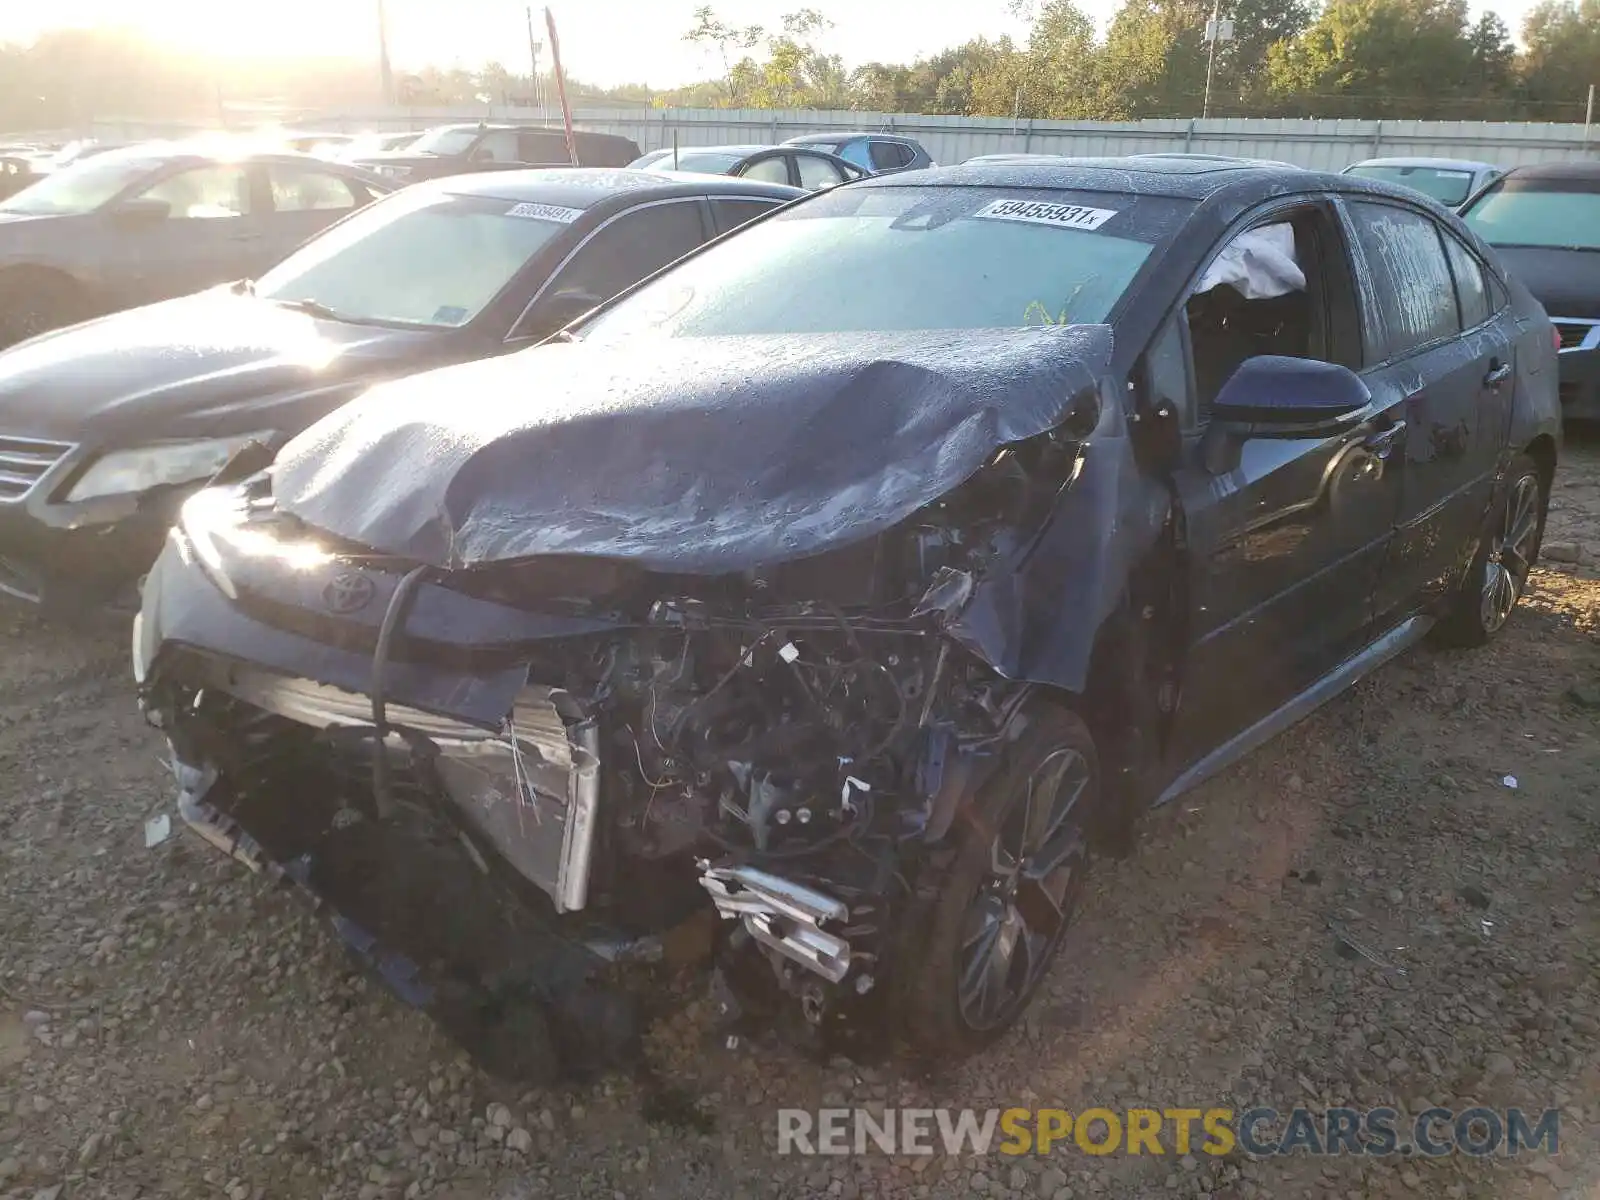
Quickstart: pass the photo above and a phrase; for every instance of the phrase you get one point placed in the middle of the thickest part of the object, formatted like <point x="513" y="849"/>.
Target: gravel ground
<point x="171" y="1026"/>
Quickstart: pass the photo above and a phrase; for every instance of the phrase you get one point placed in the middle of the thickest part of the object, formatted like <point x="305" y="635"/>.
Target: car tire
<point x="34" y="301"/>
<point x="997" y="917"/>
<point x="1508" y="548"/>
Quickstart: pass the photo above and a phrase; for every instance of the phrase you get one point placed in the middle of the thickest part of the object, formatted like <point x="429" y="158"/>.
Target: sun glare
<point x="283" y="28"/>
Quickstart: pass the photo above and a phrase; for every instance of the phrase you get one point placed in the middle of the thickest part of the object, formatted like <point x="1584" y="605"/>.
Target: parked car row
<point x="855" y="578"/>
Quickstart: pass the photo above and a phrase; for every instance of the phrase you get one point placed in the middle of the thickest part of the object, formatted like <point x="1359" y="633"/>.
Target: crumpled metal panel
<point x="706" y="456"/>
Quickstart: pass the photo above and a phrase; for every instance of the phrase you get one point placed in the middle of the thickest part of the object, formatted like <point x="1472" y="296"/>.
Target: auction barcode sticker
<point x="1068" y="216"/>
<point x="546" y="212"/>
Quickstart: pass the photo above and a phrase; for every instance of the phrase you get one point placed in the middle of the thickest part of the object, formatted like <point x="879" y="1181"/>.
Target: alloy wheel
<point x="1511" y="553"/>
<point x="1023" y="905"/>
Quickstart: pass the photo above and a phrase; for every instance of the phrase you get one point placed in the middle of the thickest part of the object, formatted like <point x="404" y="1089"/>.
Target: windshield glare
<point x="1448" y="187"/>
<point x="1534" y="214"/>
<point x="445" y="142"/>
<point x="921" y="258"/>
<point x="80" y="188"/>
<point x="416" y="258"/>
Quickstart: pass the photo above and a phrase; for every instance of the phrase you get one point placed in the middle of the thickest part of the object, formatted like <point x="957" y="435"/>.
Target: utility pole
<point x="537" y="83"/>
<point x="1588" y="118"/>
<point x="1217" y="30"/>
<point x="385" y="72"/>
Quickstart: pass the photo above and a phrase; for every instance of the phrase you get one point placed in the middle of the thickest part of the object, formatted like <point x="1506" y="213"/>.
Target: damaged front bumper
<point x="490" y="771"/>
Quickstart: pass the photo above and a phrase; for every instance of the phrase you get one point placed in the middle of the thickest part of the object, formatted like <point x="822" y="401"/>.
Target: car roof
<point x="846" y="136"/>
<point x="1443" y="164"/>
<point x="1585" y="170"/>
<point x="586" y="187"/>
<point x="1191" y="178"/>
<point x="202" y="151"/>
<point x="487" y="126"/>
<point x="752" y="148"/>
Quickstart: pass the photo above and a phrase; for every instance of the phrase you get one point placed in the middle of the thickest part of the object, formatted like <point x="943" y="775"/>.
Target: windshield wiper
<point x="315" y="308"/>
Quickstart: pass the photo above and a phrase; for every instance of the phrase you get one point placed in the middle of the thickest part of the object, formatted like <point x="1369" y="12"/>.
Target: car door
<point x="1284" y="536"/>
<point x="209" y="232"/>
<point x="775" y="166"/>
<point x="814" y="172"/>
<point x="543" y="147"/>
<point x="616" y="255"/>
<point x="1456" y="388"/>
<point x="730" y="212"/>
<point x="302" y="201"/>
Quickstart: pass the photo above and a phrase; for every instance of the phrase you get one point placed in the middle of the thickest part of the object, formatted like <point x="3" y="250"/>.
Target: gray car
<point x="1450" y="181"/>
<point x="793" y="166"/>
<point x="146" y="223"/>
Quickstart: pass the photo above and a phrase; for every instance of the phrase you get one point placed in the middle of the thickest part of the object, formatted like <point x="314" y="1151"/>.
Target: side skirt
<point x="1403" y="636"/>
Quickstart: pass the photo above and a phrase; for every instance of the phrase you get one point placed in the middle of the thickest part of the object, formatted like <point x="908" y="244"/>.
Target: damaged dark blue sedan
<point x="854" y="581"/>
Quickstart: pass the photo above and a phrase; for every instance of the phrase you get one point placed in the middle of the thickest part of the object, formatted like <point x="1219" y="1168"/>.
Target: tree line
<point x="1369" y="59"/>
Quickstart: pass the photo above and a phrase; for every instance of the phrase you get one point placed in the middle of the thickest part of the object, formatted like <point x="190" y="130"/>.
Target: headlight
<point x="129" y="472"/>
<point x="217" y="527"/>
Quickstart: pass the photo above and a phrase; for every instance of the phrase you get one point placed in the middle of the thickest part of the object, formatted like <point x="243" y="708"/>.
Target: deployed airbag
<point x="1259" y="264"/>
<point x="703" y="455"/>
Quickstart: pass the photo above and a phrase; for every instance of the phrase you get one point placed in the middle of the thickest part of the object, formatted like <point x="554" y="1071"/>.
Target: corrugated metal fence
<point x="1329" y="145"/>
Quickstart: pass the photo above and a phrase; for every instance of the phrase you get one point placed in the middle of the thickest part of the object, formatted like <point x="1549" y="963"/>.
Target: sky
<point x="605" y="42"/>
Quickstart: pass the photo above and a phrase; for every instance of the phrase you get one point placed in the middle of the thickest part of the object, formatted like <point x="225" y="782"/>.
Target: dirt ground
<point x="172" y="1026"/>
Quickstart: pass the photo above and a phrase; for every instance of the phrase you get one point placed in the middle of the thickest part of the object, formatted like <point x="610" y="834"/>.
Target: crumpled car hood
<point x="695" y="455"/>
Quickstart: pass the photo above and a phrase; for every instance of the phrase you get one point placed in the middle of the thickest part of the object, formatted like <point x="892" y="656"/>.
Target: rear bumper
<point x="1580" y="369"/>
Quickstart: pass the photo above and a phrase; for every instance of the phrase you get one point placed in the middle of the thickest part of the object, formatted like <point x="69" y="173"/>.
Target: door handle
<point x="244" y="237"/>
<point x="1499" y="372"/>
<point x="1382" y="443"/>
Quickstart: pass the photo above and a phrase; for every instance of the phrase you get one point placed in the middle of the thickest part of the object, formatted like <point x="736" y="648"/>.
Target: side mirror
<point x="1276" y="397"/>
<point x="1271" y="396"/>
<point x="140" y="210"/>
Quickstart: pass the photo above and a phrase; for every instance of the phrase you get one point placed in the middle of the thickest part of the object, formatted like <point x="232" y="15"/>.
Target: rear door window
<point x="886" y="156"/>
<point x="1414" y="290"/>
<point x="769" y="170"/>
<point x="1472" y="288"/>
<point x="733" y="213"/>
<point x="817" y="172"/>
<point x="634" y="245"/>
<point x="296" y="189"/>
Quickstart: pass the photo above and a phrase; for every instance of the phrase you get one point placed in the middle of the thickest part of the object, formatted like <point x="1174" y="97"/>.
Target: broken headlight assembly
<point x="163" y="464"/>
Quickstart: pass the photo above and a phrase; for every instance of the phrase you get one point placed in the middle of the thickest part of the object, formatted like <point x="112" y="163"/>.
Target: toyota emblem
<point x="348" y="593"/>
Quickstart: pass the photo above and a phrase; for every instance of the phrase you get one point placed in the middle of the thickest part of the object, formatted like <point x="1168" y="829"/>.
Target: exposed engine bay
<point x="788" y="761"/>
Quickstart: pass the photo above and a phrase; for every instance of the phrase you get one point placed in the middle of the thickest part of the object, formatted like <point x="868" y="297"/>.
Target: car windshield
<point x="1563" y="213"/>
<point x="81" y="187"/>
<point x="920" y="258"/>
<point x="417" y="258"/>
<point x="1448" y="186"/>
<point x="707" y="162"/>
<point x="446" y="141"/>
